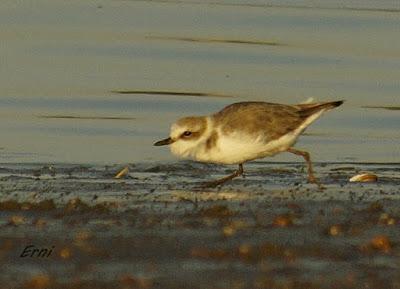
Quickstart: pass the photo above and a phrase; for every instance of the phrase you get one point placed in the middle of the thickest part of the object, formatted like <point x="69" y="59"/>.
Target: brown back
<point x="275" y="119"/>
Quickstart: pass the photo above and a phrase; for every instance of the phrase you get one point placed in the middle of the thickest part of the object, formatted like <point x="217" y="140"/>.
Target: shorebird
<point x="244" y="131"/>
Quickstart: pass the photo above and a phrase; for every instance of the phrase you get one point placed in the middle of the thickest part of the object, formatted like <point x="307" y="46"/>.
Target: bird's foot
<point x="211" y="184"/>
<point x="313" y="180"/>
<point x="216" y="183"/>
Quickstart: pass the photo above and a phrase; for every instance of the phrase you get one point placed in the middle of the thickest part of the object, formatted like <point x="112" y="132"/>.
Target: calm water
<point x="66" y="58"/>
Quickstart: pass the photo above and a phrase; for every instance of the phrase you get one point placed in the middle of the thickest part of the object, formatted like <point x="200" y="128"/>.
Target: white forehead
<point x="177" y="130"/>
<point x="187" y="124"/>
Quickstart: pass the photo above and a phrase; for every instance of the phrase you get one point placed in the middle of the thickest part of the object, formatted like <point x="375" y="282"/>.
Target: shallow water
<point x="69" y="58"/>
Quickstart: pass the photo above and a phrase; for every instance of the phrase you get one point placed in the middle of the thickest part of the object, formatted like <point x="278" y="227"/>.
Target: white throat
<point x="192" y="148"/>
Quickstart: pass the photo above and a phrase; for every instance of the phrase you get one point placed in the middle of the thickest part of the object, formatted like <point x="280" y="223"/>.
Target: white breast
<point x="238" y="148"/>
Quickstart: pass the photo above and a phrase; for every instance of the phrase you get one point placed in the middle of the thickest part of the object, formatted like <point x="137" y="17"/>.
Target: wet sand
<point x="155" y="229"/>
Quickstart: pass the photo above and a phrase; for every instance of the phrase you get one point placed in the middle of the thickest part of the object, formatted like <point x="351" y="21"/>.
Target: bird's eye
<point x="187" y="133"/>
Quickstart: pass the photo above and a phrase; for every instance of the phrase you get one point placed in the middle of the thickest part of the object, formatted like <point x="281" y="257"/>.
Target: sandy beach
<point x="155" y="229"/>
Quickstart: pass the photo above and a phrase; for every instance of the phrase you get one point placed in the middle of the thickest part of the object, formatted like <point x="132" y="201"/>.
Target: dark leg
<point x="215" y="183"/>
<point x="306" y="156"/>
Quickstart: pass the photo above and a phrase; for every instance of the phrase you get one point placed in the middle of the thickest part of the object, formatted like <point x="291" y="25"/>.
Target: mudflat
<point x="153" y="228"/>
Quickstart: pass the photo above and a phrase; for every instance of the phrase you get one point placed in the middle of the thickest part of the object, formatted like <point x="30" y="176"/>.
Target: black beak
<point x="164" y="142"/>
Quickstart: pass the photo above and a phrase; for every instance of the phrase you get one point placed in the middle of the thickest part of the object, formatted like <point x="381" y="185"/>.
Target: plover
<point x="244" y="131"/>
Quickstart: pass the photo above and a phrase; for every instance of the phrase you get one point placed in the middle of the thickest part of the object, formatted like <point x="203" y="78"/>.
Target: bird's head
<point x="185" y="135"/>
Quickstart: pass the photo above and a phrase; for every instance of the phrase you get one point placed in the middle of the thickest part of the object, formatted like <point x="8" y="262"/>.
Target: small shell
<point x="382" y="243"/>
<point x="17" y="220"/>
<point x="122" y="173"/>
<point x="366" y="177"/>
<point x="335" y="230"/>
<point x="65" y="253"/>
<point x="283" y="221"/>
<point x="228" y="231"/>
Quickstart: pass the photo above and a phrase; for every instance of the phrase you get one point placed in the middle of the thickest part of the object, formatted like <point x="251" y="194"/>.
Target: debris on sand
<point x="366" y="177"/>
<point x="379" y="243"/>
<point x="12" y="205"/>
<point x="122" y="173"/>
<point x="217" y="212"/>
<point x="38" y="282"/>
<point x="285" y="220"/>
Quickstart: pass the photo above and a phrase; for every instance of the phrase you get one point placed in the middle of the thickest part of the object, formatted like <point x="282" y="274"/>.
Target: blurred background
<point x="64" y="62"/>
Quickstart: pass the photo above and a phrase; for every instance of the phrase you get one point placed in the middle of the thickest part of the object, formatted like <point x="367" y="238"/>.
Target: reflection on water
<point x="103" y="87"/>
<point x="175" y="93"/>
<point x="384" y="107"/>
<point x="388" y="6"/>
<point x="85" y="117"/>
<point x="205" y="40"/>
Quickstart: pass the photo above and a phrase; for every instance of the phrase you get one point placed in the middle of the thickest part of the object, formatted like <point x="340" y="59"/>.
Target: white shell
<point x="365" y="177"/>
<point x="122" y="173"/>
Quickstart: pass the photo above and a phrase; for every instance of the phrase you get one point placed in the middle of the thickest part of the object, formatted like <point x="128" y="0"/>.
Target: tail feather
<point x="308" y="109"/>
